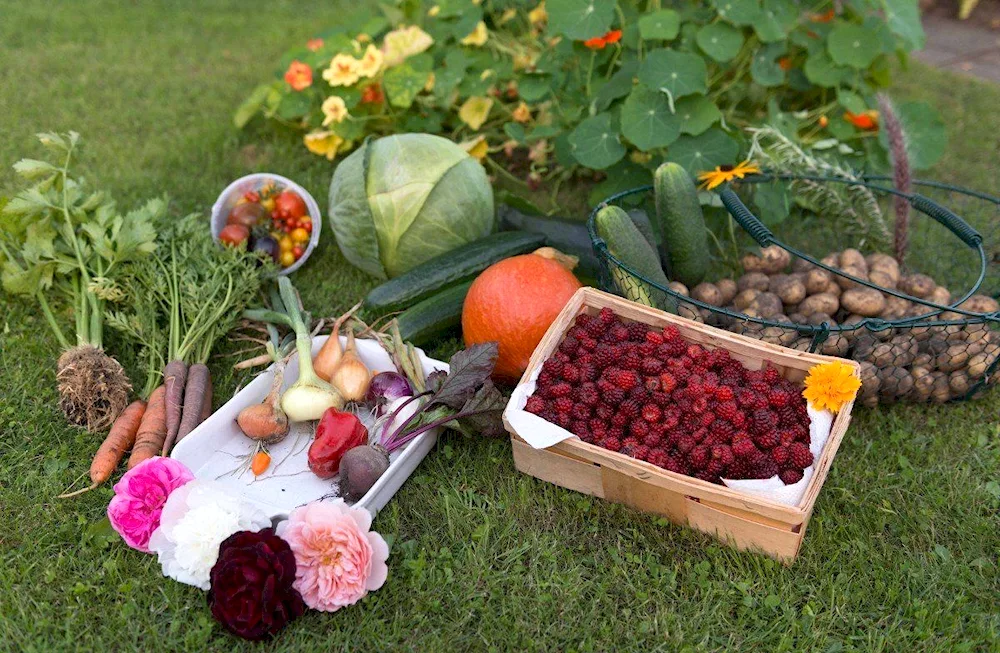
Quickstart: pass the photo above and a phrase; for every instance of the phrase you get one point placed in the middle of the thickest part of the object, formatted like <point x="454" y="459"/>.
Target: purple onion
<point x="385" y="388"/>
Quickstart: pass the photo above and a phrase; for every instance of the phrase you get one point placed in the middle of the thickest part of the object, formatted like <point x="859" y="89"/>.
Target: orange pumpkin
<point x="513" y="302"/>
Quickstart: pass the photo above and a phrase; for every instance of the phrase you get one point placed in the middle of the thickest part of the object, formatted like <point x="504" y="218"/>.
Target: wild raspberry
<point x="707" y="419"/>
<point x="563" y="420"/>
<point x="671" y="418"/>
<point x="670" y="332"/>
<point x="723" y="454"/>
<point x="589" y="437"/>
<point x="580" y="411"/>
<point x="658" y="457"/>
<point x="700" y="405"/>
<point x="630" y="408"/>
<point x="724" y="430"/>
<point x="535" y="404"/>
<point x="641" y="452"/>
<point x="631" y="360"/>
<point x="778" y="398"/>
<point x="761" y="467"/>
<point x="584" y="320"/>
<point x="563" y="404"/>
<point x="578" y="427"/>
<point x="685" y="444"/>
<point x="571" y="373"/>
<point x="546" y="379"/>
<point x="607" y="316"/>
<point x="651" y="366"/>
<point x="667" y="382"/>
<point x="724" y="393"/>
<point x="618" y="333"/>
<point x="760" y="388"/>
<point x="623" y="379"/>
<point x="651" y="413"/>
<point x="619" y="420"/>
<point x="646" y="349"/>
<point x="615" y="432"/>
<point x="661" y="399"/>
<point x="765" y="440"/>
<point x="799" y="455"/>
<point x="695" y="352"/>
<point x="786" y="436"/>
<point x="653" y="439"/>
<point x="637" y="331"/>
<point x="576" y="331"/>
<point x="614" y="396"/>
<point x="654" y="337"/>
<point x="652" y="384"/>
<point x="698" y="458"/>
<point x="764" y="421"/>
<point x="553" y="365"/>
<point x="790" y="476"/>
<point x="612" y="444"/>
<point x="629" y="445"/>
<point x="727" y="410"/>
<point x="707" y="475"/>
<point x="771" y="376"/>
<point x="639" y="428"/>
<point x="597" y="424"/>
<point x="557" y="390"/>
<point x="743" y="448"/>
<point x="604" y="356"/>
<point x="780" y="455"/>
<point x="587" y="343"/>
<point x="604" y="411"/>
<point x="569" y="346"/>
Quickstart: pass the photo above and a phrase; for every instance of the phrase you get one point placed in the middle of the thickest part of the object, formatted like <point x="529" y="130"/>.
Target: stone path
<point x="962" y="46"/>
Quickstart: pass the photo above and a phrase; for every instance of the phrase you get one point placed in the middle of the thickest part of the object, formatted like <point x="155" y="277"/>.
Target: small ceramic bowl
<point x="234" y="191"/>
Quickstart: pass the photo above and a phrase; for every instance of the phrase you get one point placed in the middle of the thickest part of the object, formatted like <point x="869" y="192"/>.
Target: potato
<point x="821" y="303"/>
<point x="852" y="258"/>
<point x="728" y="289"/>
<point x="870" y="385"/>
<point x="745" y="297"/>
<point x="953" y="358"/>
<point x="775" y="259"/>
<point x="755" y="280"/>
<point x="818" y="280"/>
<point x="690" y="312"/>
<point x="797" y="318"/>
<point x="836" y="344"/>
<point x="777" y="335"/>
<point x="834" y="289"/>
<point x="802" y="343"/>
<point x="847" y="284"/>
<point x="788" y="289"/>
<point x="820" y="318"/>
<point x="752" y="263"/>
<point x="832" y="260"/>
<point x="801" y="265"/>
<point x="895" y="307"/>
<point x="941" y="389"/>
<point x="896" y="382"/>
<point x="978" y="364"/>
<point x="959" y="384"/>
<point x="884" y="334"/>
<point x="905" y="348"/>
<point x="923" y="360"/>
<point x="767" y="304"/>
<point x="923" y="384"/>
<point x="707" y="293"/>
<point x="885" y="263"/>
<point x="679" y="288"/>
<point x="941" y="296"/>
<point x="980" y="304"/>
<point x="863" y="301"/>
<point x="917" y="285"/>
<point x="882" y="279"/>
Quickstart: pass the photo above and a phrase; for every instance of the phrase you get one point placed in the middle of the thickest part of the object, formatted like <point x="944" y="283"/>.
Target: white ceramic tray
<point x="217" y="446"/>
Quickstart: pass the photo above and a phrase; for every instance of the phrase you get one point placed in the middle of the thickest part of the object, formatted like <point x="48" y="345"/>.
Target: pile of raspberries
<point x="654" y="396"/>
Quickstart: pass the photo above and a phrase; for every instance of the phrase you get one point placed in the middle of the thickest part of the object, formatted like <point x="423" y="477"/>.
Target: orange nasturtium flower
<point x="299" y="75"/>
<point x="831" y="385"/>
<point x="824" y="17"/>
<point x="712" y="178"/>
<point x="866" y="120"/>
<point x="372" y="94"/>
<point x="785" y="63"/>
<point x="600" y="42"/>
<point x="823" y="121"/>
<point x="314" y="44"/>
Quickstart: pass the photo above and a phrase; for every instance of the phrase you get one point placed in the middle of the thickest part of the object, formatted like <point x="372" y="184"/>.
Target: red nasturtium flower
<point x="824" y="17"/>
<point x="600" y="42"/>
<point x="372" y="94"/>
<point x="299" y="75"/>
<point x="866" y="120"/>
<point x="785" y="63"/>
<point x="314" y="44"/>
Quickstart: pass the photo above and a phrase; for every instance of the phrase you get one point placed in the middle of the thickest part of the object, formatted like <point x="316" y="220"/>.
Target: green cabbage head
<point x="397" y="201"/>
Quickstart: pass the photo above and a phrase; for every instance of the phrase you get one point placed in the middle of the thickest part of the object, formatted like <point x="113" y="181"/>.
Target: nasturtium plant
<point x="544" y="89"/>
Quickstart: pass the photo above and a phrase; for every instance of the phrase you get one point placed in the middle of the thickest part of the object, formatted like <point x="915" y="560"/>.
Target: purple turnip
<point x="360" y="468"/>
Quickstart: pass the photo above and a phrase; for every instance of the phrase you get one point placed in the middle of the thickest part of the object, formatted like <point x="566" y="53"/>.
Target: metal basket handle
<point x="966" y="233"/>
<point x="746" y="218"/>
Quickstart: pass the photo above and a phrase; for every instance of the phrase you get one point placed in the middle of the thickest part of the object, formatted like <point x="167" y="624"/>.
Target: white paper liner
<point x="541" y="434"/>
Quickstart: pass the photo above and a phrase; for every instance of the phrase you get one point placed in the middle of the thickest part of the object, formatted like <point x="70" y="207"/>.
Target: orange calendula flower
<point x="299" y="76"/>
<point x="866" y="120"/>
<point x="314" y="45"/>
<point x="600" y="42"/>
<point x="712" y="178"/>
<point x="831" y="385"/>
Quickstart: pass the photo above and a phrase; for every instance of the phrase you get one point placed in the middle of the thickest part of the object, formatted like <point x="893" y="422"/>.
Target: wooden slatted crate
<point x="745" y="521"/>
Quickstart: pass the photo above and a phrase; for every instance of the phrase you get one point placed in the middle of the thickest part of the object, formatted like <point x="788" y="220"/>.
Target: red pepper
<point x="338" y="432"/>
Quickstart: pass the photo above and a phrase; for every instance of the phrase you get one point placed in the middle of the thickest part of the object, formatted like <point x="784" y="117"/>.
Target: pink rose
<point x="337" y="558"/>
<point x="135" y="509"/>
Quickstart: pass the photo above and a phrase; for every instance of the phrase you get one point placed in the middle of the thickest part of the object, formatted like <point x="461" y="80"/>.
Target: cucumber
<point x="449" y="268"/>
<point x="434" y="316"/>
<point x="681" y="224"/>
<point x="627" y="244"/>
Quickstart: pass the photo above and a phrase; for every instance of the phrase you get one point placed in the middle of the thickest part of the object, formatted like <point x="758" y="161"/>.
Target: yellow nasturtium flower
<point x="477" y="148"/>
<point x="371" y="62"/>
<point x="429" y="84"/>
<point x="538" y="15"/>
<point x="507" y="16"/>
<point x="478" y="36"/>
<point x="334" y="110"/>
<point x="343" y="71"/>
<point x="521" y="114"/>
<point x="475" y="111"/>
<point x="404" y="42"/>
<point x="323" y="143"/>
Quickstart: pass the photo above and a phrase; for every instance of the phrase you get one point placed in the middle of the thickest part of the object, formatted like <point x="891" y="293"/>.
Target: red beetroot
<point x="337" y="433"/>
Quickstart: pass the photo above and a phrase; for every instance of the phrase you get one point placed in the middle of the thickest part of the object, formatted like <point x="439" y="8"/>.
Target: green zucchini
<point x="627" y="244"/>
<point x="681" y="224"/>
<point x="449" y="268"/>
<point x="434" y="316"/>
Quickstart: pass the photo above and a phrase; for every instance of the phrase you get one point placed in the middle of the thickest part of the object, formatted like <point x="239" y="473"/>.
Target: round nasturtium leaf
<point x="647" y="120"/>
<point x="776" y="18"/>
<point x="675" y="73"/>
<point x="618" y="86"/>
<point x="703" y="152"/>
<point x="580" y="19"/>
<point x="738" y="12"/>
<point x="851" y="101"/>
<point x="765" y="69"/>
<point x="697" y="113"/>
<point x="402" y="84"/>
<point x="720" y="41"/>
<point x="903" y="18"/>
<point x="852" y="45"/>
<point x="664" y="25"/>
<point x="594" y="144"/>
<point x="820" y="70"/>
<point x="925" y="133"/>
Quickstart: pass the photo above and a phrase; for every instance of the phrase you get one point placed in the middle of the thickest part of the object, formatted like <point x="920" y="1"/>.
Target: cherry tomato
<point x="285" y="244"/>
<point x="268" y="204"/>
<point x="292" y="224"/>
<point x="289" y="205"/>
<point x="251" y="196"/>
<point x="286" y="259"/>
<point x="306" y="224"/>
<point x="300" y="235"/>
<point x="247" y="214"/>
<point x="234" y="235"/>
<point x="297" y="251"/>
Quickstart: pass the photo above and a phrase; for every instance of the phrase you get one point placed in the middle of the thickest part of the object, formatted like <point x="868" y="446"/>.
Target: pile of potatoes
<point x="919" y="363"/>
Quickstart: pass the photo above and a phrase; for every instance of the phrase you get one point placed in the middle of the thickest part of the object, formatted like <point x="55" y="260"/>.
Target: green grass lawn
<point x="901" y="552"/>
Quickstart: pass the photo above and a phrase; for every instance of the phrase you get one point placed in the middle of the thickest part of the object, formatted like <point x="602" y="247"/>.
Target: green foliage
<point x="587" y="83"/>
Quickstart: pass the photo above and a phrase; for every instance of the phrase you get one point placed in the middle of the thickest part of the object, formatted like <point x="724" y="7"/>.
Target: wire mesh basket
<point x="925" y="331"/>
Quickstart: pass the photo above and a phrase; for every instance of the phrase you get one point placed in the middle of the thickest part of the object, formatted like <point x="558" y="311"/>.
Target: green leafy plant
<point x="617" y="86"/>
